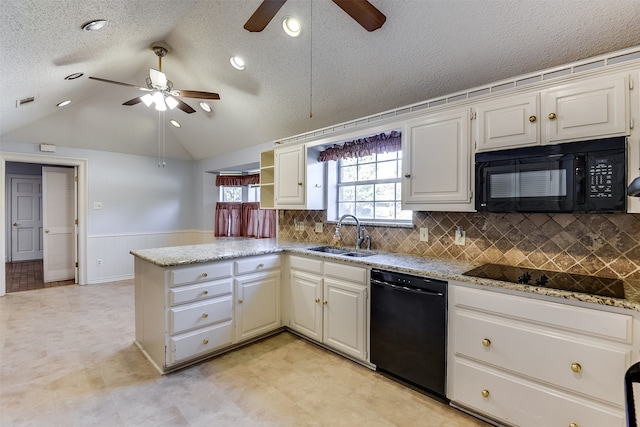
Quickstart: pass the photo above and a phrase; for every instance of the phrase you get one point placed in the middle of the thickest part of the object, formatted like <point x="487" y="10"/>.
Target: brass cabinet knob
<point x="239" y="301"/>
<point x="204" y="274"/>
<point x="324" y="302"/>
<point x="317" y="300"/>
<point x="261" y="265"/>
<point x="485" y="393"/>
<point x="299" y="183"/>
<point x="205" y="341"/>
<point x="486" y="342"/>
<point x="573" y="425"/>
<point x="46" y="231"/>
<point x="532" y="119"/>
<point x="552" y="116"/>
<point x="205" y="315"/>
<point x="407" y="175"/>
<point x="205" y="292"/>
<point x="575" y="367"/>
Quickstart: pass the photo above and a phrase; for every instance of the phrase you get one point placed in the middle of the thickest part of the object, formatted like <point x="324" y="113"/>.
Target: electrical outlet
<point x="318" y="227"/>
<point x="99" y="262"/>
<point x="424" y="234"/>
<point x="281" y="214"/>
<point x="97" y="205"/>
<point x="459" y="237"/>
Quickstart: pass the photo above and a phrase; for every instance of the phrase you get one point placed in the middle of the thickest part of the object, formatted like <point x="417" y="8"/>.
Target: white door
<point x="58" y="215"/>
<point x="26" y="219"/>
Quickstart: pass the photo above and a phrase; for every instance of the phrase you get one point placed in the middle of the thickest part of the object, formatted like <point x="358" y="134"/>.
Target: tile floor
<point x="27" y="275"/>
<point x="67" y="358"/>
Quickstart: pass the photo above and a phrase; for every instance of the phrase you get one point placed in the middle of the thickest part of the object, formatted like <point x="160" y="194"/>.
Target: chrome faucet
<point x="359" y="232"/>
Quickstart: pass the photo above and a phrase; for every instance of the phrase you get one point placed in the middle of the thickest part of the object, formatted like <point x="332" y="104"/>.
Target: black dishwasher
<point x="409" y="328"/>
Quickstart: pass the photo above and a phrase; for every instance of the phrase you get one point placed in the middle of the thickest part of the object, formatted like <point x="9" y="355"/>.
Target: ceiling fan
<point x="160" y="90"/>
<point x="362" y="11"/>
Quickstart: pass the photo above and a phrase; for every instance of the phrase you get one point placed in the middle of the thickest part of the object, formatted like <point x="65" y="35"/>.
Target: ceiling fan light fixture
<point x="171" y="102"/>
<point x="206" y="107"/>
<point x="158" y="99"/>
<point x="94" y="25"/>
<point x="291" y="26"/>
<point x="63" y="103"/>
<point x="175" y="123"/>
<point x="147" y="99"/>
<point x="237" y="63"/>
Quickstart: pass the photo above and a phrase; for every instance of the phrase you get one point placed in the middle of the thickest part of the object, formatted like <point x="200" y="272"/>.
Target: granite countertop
<point x="447" y="269"/>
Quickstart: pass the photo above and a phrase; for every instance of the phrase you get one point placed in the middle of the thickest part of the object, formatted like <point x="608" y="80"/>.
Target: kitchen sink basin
<point x="330" y="250"/>
<point x="340" y="251"/>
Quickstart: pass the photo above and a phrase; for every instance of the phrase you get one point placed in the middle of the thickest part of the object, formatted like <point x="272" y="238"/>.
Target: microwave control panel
<point x="605" y="175"/>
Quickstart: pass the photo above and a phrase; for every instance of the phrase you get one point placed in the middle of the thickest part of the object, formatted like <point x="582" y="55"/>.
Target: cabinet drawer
<point x="202" y="341"/>
<point x="592" y="322"/>
<point x="346" y="272"/>
<point x="257" y="264"/>
<point x="199" y="292"/>
<point x="305" y="264"/>
<point x="545" y="355"/>
<point x="200" y="314"/>
<point x="200" y="273"/>
<point x="523" y="403"/>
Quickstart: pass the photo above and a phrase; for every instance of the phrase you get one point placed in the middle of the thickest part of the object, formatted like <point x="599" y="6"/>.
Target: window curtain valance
<point x="237" y="180"/>
<point x="383" y="143"/>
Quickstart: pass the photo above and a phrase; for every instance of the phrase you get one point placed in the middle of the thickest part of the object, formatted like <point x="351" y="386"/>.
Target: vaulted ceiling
<point x="335" y="69"/>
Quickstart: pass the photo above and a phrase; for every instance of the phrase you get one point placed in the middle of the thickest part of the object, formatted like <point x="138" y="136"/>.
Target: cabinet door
<point x="508" y="123"/>
<point x="345" y="317"/>
<point x="436" y="163"/>
<point x="592" y="109"/>
<point x="290" y="165"/>
<point x="258" y="304"/>
<point x="306" y="304"/>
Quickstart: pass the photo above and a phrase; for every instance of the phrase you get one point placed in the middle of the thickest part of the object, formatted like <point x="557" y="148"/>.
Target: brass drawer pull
<point x="205" y="292"/>
<point x="486" y="342"/>
<point x="485" y="393"/>
<point x="575" y="367"/>
<point x="204" y="274"/>
<point x="205" y="315"/>
<point x="205" y="341"/>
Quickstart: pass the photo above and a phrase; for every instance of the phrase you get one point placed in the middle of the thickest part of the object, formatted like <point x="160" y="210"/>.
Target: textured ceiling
<point x="426" y="48"/>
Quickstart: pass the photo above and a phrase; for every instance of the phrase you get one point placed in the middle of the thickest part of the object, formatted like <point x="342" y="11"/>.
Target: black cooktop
<point x="594" y="285"/>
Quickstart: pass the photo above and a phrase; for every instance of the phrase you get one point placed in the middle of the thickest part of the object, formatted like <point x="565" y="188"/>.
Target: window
<point x="370" y="187"/>
<point x="249" y="193"/>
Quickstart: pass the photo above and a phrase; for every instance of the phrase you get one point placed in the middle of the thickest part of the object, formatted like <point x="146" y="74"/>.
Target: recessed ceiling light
<point x="175" y="123"/>
<point x="291" y="26"/>
<point x="64" y="103"/>
<point x="94" y="25"/>
<point x="74" y="76"/>
<point x="237" y="62"/>
<point x="206" y="107"/>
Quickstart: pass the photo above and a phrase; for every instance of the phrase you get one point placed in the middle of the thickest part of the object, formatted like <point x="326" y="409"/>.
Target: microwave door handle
<point x="581" y="186"/>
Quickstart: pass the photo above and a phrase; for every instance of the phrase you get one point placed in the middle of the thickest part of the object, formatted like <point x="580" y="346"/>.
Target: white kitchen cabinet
<point x="510" y="122"/>
<point x="329" y="304"/>
<point x="436" y="163"/>
<point x="530" y="362"/>
<point x="267" y="180"/>
<point x="594" y="108"/>
<point x="299" y="178"/>
<point x="187" y="313"/>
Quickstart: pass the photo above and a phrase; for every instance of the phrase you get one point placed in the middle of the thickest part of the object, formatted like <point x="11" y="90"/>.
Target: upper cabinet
<point x="594" y="108"/>
<point x="588" y="109"/>
<point x="299" y="179"/>
<point x="267" y="179"/>
<point x="436" y="162"/>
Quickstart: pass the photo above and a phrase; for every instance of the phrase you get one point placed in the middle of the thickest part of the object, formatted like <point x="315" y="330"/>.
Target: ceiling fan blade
<point x="117" y="83"/>
<point x="196" y="94"/>
<point x="185" y="107"/>
<point x="363" y="12"/>
<point x="158" y="79"/>
<point x="263" y="15"/>
<point x="133" y="101"/>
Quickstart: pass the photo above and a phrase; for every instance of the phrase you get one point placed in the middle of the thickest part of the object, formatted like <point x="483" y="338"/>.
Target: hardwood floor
<point x="27" y="276"/>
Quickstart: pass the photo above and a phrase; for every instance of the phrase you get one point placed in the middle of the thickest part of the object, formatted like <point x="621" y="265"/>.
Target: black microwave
<point x="587" y="176"/>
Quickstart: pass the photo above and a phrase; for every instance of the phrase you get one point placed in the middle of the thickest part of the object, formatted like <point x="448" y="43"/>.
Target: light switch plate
<point x="459" y="238"/>
<point x="97" y="205"/>
<point x="424" y="234"/>
<point x="318" y="227"/>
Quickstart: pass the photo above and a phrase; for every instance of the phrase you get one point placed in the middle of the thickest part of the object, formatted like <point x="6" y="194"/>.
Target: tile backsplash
<point x="606" y="245"/>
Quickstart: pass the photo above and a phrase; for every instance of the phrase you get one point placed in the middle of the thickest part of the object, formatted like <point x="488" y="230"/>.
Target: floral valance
<point x="383" y="143"/>
<point x="237" y="180"/>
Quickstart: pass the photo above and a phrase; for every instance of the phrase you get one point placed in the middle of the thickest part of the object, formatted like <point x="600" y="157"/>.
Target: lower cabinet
<point x="185" y="314"/>
<point x="329" y="304"/>
<point x="529" y="362"/>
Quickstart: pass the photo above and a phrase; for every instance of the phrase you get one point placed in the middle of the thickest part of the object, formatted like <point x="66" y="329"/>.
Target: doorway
<point x="80" y="191"/>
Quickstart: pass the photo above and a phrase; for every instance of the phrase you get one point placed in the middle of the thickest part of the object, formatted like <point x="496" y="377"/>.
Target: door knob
<point x="552" y="116"/>
<point x="15" y="224"/>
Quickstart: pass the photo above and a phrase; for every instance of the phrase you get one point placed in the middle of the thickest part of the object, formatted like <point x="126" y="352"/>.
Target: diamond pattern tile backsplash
<point x="606" y="245"/>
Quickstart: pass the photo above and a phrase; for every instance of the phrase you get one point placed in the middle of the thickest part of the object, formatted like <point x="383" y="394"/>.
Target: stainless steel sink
<point x="339" y="251"/>
<point x="330" y="250"/>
